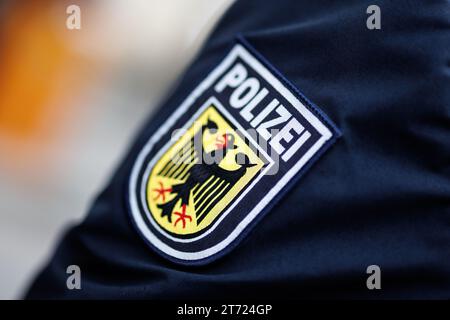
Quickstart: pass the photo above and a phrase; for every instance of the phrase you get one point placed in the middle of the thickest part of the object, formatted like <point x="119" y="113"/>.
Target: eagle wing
<point x="179" y="165"/>
<point x="210" y="192"/>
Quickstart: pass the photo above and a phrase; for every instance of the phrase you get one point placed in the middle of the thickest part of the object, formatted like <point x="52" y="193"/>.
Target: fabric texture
<point x="380" y="195"/>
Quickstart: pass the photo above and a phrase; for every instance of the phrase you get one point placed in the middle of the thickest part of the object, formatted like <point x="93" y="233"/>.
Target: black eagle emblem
<point x="203" y="179"/>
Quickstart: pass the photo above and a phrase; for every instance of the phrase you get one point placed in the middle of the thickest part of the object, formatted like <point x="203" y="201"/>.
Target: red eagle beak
<point x="222" y="141"/>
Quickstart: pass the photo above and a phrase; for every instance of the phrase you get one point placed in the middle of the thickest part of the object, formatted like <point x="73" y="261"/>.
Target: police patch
<point x="223" y="158"/>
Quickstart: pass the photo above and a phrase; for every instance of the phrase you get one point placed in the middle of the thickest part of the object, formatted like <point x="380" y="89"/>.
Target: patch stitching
<point x="242" y="231"/>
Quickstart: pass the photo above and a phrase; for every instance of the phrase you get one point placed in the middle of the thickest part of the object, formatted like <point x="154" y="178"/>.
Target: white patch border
<point x="237" y="51"/>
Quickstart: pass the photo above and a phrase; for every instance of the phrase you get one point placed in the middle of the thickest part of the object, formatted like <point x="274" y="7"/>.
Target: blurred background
<point x="70" y="101"/>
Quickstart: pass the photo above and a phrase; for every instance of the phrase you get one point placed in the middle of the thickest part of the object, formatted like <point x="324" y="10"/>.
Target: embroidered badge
<point x="218" y="163"/>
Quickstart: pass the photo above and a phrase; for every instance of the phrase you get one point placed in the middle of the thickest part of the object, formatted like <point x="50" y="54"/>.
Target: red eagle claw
<point x="182" y="216"/>
<point x="161" y="192"/>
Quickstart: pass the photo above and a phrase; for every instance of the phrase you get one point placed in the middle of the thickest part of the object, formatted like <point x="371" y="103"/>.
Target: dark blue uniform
<point x="380" y="194"/>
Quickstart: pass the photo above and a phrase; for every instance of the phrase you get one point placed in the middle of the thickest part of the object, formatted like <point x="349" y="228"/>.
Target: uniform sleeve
<point x="379" y="196"/>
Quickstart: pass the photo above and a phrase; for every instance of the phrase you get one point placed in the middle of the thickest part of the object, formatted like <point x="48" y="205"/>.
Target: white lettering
<point x="233" y="78"/>
<point x="250" y="87"/>
<point x="286" y="135"/>
<point x="284" y="117"/>
<point x="246" y="113"/>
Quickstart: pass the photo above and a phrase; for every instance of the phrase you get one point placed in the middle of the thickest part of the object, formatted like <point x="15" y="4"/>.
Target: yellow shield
<point x="187" y="189"/>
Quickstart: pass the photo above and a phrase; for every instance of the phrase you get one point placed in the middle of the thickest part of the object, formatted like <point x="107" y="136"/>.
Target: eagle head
<point x="225" y="142"/>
